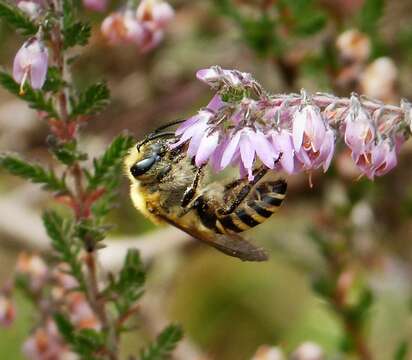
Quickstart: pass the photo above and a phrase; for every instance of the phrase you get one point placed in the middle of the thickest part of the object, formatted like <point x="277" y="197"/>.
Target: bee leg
<point x="243" y="192"/>
<point x="191" y="190"/>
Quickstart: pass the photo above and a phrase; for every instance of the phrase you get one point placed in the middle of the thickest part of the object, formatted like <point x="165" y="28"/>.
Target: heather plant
<point x="82" y="311"/>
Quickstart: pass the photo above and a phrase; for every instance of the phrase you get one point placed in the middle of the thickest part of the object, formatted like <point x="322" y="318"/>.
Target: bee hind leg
<point x="243" y="192"/>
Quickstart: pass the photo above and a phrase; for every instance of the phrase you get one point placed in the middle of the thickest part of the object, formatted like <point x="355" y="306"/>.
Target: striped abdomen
<point x="265" y="201"/>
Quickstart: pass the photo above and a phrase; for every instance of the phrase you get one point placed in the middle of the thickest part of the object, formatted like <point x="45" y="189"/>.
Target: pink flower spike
<point x="95" y="5"/>
<point x="30" y="64"/>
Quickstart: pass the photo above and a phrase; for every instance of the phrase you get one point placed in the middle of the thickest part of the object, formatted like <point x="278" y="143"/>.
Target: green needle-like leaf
<point x="164" y="344"/>
<point x="35" y="173"/>
<point x="61" y="233"/>
<point x="92" y="100"/>
<point x="34" y="98"/>
<point x="106" y="167"/>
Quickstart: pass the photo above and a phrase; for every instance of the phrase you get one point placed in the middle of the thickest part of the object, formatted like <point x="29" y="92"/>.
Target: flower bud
<point x="34" y="268"/>
<point x="379" y="79"/>
<point x="30" y="64"/>
<point x="308" y="351"/>
<point x="354" y="45"/>
<point x="95" y="5"/>
<point x="156" y="12"/>
<point x="120" y="28"/>
<point x="268" y="353"/>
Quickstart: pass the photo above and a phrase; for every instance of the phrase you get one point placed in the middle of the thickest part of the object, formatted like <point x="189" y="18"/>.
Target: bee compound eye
<point x="143" y="166"/>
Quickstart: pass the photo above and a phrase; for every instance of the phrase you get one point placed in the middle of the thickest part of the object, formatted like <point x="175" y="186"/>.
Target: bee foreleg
<point x="243" y="192"/>
<point x="191" y="190"/>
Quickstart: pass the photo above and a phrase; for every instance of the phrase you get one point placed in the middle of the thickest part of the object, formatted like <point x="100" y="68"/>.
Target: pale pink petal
<point x="38" y="70"/>
<point x="263" y="148"/>
<point x="206" y="75"/>
<point x="216" y="157"/>
<point x="162" y="13"/>
<point x="327" y="149"/>
<point x="283" y="144"/>
<point x="299" y="122"/>
<point x="207" y="146"/>
<point x="195" y="141"/>
<point x="247" y="149"/>
<point x="18" y="64"/>
<point x="216" y="103"/>
<point x="230" y="150"/>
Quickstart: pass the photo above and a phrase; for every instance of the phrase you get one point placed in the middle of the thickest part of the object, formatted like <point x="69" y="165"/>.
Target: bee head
<point x="144" y="161"/>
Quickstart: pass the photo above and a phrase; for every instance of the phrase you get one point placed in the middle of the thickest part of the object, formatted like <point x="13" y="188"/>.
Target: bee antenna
<point x="165" y="126"/>
<point x="152" y="136"/>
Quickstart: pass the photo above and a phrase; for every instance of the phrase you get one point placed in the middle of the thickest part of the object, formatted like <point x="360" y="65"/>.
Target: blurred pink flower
<point x="122" y="27"/>
<point x="157" y="13"/>
<point x="30" y="8"/>
<point x="30" y="64"/>
<point x="95" y="5"/>
<point x="7" y="310"/>
<point x="81" y="313"/>
<point x="34" y="268"/>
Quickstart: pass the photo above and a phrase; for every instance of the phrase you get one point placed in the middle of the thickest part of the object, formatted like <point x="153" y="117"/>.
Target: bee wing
<point x="232" y="245"/>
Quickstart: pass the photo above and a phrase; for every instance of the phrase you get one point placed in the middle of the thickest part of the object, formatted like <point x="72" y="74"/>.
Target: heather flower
<point x="7" y="310"/>
<point x="30" y="8"/>
<point x="313" y="142"/>
<point x="202" y="141"/>
<point x="246" y="144"/>
<point x="151" y="38"/>
<point x="354" y="45"/>
<point x="308" y="351"/>
<point x="378" y="160"/>
<point x="157" y="13"/>
<point x="359" y="131"/>
<point x="122" y="27"/>
<point x="268" y="353"/>
<point x="34" y="268"/>
<point x="378" y="80"/>
<point x="216" y="77"/>
<point x="95" y="5"/>
<point x="81" y="315"/>
<point x="283" y="144"/>
<point x="45" y="343"/>
<point x="30" y="64"/>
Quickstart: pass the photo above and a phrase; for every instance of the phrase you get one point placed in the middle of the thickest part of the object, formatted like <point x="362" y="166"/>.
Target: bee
<point x="167" y="187"/>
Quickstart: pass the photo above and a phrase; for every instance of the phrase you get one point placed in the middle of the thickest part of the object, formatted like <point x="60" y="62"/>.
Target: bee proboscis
<point x="166" y="186"/>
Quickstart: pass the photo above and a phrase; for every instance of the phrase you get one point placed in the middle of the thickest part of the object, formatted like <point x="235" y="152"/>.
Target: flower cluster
<point x="294" y="133"/>
<point x="143" y="27"/>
